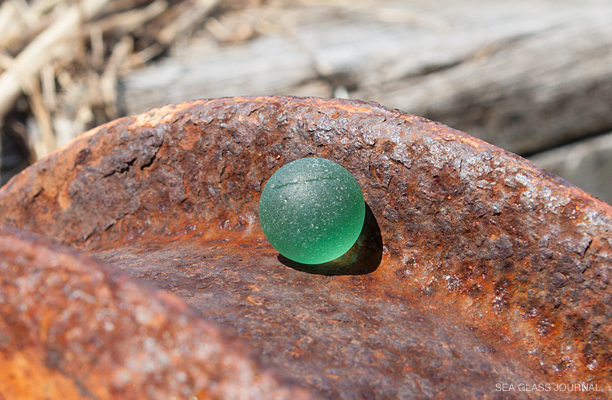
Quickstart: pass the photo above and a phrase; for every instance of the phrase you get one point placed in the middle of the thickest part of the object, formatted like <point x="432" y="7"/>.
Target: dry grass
<point x="60" y="60"/>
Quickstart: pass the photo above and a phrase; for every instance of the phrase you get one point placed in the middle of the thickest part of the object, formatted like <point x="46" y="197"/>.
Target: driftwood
<point x="587" y="164"/>
<point x="526" y="75"/>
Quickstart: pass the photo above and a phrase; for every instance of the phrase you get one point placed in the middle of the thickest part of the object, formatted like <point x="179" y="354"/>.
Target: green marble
<point x="312" y="210"/>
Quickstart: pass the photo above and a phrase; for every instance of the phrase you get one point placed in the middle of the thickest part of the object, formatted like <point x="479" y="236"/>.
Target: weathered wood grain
<point x="587" y="164"/>
<point x="525" y="75"/>
<point x="532" y="93"/>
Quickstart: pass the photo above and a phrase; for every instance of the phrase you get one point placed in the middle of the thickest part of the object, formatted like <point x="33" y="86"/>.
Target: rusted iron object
<point x="475" y="270"/>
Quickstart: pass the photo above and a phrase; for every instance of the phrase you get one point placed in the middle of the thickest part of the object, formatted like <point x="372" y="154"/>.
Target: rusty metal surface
<point x="477" y="268"/>
<point x="72" y="328"/>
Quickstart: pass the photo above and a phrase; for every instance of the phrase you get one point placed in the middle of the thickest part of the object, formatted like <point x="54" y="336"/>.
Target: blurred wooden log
<point x="587" y="164"/>
<point x="532" y="94"/>
<point x="526" y="75"/>
<point x="276" y="65"/>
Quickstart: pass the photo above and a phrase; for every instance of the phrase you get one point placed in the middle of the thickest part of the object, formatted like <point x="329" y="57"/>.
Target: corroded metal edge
<point x="72" y="328"/>
<point x="523" y="256"/>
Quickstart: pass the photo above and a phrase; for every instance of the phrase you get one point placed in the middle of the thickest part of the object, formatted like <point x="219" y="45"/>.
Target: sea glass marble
<point x="312" y="210"/>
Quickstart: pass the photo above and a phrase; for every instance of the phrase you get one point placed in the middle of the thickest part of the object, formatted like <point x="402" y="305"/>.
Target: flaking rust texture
<point x="72" y="328"/>
<point x="476" y="270"/>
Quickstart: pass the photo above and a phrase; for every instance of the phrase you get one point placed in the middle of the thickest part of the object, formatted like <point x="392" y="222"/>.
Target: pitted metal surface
<point x="476" y="268"/>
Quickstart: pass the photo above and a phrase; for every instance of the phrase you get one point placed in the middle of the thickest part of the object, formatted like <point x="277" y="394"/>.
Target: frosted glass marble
<point x="312" y="210"/>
